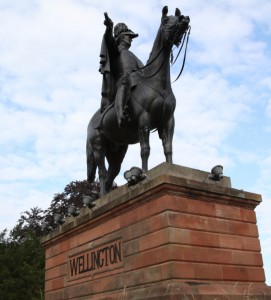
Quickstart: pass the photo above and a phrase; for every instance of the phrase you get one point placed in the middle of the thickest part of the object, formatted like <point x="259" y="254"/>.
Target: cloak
<point x="108" y="84"/>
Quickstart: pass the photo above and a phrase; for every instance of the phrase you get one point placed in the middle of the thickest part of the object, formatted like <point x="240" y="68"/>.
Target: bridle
<point x="171" y="42"/>
<point x="185" y="37"/>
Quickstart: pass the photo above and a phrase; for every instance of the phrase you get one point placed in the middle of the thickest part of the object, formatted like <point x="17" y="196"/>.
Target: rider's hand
<point x="108" y="22"/>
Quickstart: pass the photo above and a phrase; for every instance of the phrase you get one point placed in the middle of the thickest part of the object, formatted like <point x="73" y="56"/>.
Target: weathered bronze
<point x="117" y="64"/>
<point x="135" y="99"/>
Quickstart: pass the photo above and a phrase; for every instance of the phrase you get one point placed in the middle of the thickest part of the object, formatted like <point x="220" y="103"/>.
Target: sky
<point x="50" y="87"/>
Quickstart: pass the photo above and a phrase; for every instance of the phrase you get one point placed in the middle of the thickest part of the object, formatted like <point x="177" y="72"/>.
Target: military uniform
<point x="117" y="63"/>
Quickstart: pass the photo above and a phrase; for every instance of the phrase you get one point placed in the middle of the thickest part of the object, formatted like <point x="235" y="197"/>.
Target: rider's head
<point x="123" y="34"/>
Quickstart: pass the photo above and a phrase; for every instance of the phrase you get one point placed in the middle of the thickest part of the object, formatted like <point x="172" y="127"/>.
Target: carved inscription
<point x="97" y="260"/>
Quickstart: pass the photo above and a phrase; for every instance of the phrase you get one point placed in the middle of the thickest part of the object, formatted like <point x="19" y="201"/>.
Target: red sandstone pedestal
<point x="176" y="235"/>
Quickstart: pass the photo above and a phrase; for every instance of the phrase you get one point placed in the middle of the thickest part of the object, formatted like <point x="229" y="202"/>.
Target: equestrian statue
<point x="136" y="99"/>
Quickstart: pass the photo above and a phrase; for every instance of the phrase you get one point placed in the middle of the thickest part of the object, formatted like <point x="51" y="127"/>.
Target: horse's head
<point x="173" y="27"/>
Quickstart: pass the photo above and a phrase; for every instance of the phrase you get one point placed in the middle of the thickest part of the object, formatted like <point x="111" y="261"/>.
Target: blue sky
<point x="50" y="87"/>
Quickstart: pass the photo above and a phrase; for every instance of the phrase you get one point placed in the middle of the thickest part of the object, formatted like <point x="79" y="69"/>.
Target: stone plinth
<point x="176" y="235"/>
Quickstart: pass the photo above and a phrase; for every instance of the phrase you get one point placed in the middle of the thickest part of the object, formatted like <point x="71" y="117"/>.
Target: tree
<point x="73" y="195"/>
<point x="21" y="254"/>
<point x="22" y="259"/>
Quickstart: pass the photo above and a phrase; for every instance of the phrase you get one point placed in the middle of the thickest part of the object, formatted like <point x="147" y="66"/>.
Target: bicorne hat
<point x="121" y="29"/>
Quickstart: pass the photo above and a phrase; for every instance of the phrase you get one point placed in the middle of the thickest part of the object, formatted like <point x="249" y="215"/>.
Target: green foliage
<point x="21" y="255"/>
<point x="73" y="194"/>
<point x="22" y="259"/>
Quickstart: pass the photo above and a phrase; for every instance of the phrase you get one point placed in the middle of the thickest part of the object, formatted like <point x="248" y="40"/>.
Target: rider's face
<point x="127" y="39"/>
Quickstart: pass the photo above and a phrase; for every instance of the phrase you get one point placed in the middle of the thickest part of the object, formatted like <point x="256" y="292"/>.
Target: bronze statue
<point x="117" y="63"/>
<point x="135" y="99"/>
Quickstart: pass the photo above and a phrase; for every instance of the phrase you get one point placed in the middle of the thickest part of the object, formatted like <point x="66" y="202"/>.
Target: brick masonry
<point x="174" y="235"/>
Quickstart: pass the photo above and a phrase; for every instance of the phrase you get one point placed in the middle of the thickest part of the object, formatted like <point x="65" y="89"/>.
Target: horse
<point x="151" y="106"/>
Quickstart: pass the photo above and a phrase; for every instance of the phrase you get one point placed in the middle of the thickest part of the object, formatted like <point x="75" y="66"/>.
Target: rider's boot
<point x="121" y="109"/>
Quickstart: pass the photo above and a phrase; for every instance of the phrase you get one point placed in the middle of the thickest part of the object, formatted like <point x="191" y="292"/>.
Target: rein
<point x="152" y="61"/>
<point x="185" y="51"/>
<point x="158" y="68"/>
<point x="182" y="43"/>
<point x="185" y="37"/>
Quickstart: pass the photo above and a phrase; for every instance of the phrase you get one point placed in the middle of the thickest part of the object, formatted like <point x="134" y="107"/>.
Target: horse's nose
<point x="186" y="19"/>
<point x="181" y="18"/>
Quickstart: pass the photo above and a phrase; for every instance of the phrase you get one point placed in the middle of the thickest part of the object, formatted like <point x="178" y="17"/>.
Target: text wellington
<point x="98" y="259"/>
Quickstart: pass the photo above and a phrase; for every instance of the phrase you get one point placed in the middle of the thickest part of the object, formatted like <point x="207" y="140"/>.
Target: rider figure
<point x="117" y="63"/>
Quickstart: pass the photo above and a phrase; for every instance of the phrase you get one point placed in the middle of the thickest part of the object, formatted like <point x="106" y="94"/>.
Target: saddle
<point x="133" y="79"/>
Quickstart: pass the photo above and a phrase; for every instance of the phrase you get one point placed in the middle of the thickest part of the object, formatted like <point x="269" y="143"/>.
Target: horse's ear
<point x="177" y="12"/>
<point x="165" y="11"/>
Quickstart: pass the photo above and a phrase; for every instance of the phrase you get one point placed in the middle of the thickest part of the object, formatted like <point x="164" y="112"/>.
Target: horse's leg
<point x="91" y="164"/>
<point x="114" y="159"/>
<point x="144" y="136"/>
<point x="100" y="160"/>
<point x="98" y="147"/>
<point x="166" y="135"/>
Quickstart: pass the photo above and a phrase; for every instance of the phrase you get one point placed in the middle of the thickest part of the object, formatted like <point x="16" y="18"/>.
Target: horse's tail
<point x="91" y="164"/>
